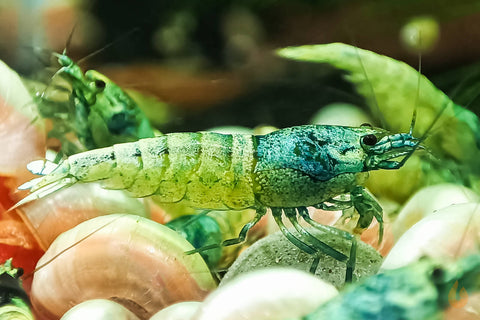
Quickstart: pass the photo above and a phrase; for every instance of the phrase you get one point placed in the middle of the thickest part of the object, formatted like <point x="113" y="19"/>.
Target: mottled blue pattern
<point x="322" y="152"/>
<point x="416" y="291"/>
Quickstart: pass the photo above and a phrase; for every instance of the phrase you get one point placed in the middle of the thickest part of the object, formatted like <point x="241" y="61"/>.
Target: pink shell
<point x="129" y="259"/>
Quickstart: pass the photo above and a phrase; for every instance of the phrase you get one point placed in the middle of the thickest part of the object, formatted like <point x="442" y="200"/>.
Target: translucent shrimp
<point x="286" y="170"/>
<point x="98" y="112"/>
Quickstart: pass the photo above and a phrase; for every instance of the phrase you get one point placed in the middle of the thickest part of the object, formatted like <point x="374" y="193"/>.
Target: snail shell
<point x="268" y="294"/>
<point x="439" y="196"/>
<point x="448" y="233"/>
<point x="128" y="259"/>
<point x="99" y="309"/>
<point x="179" y="311"/>
<point x="50" y="216"/>
<point x="21" y="141"/>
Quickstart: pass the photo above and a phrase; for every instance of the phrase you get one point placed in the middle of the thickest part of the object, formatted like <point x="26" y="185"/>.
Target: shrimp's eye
<point x="369" y="139"/>
<point x="437" y="275"/>
<point x="100" y="84"/>
<point x="19" y="273"/>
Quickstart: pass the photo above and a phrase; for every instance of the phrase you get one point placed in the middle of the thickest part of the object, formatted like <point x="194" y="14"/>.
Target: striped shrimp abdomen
<point x="206" y="170"/>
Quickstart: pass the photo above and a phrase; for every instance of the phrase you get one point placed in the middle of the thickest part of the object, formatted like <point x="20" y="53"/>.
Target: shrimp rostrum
<point x="286" y="171"/>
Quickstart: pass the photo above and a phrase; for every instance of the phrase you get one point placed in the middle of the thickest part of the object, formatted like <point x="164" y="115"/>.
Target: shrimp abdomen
<point x="223" y="179"/>
<point x="206" y="170"/>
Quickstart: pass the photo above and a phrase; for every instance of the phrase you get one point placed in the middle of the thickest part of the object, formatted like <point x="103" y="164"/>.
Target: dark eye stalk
<point x="100" y="84"/>
<point x="369" y="139"/>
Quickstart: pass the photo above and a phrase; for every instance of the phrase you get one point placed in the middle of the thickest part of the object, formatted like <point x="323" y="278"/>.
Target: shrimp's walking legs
<point x="364" y="203"/>
<point x="241" y="236"/>
<point x="303" y="212"/>
<point x="367" y="207"/>
<point x="311" y="244"/>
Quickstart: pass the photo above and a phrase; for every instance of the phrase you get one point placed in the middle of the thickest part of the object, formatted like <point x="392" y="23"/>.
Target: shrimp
<point x="285" y="170"/>
<point x="14" y="302"/>
<point x="200" y="230"/>
<point x="98" y="112"/>
<point x="420" y="290"/>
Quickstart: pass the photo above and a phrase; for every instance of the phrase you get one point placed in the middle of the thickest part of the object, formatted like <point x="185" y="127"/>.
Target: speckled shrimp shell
<point x="128" y="259"/>
<point x="285" y="170"/>
<point x="324" y="166"/>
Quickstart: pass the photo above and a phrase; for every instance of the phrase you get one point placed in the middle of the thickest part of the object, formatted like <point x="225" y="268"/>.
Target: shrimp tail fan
<point x="55" y="177"/>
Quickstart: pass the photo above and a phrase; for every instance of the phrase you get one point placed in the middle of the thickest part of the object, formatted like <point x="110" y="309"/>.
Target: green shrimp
<point x="286" y="171"/>
<point x="14" y="302"/>
<point x="418" y="291"/>
<point x="200" y="230"/>
<point x="99" y="113"/>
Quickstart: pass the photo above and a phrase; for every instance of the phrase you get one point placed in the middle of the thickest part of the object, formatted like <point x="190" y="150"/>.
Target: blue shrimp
<point x="420" y="290"/>
<point x="286" y="171"/>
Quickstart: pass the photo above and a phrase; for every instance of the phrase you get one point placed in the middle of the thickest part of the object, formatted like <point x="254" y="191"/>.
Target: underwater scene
<point x="224" y="160"/>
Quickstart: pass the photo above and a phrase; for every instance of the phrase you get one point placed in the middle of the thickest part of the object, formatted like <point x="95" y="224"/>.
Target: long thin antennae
<point x="379" y="114"/>
<point x="125" y="35"/>
<point x="426" y="133"/>
<point x="469" y="224"/>
<point x="455" y="92"/>
<point x="383" y="121"/>
<point x="417" y="98"/>
<point x="69" y="39"/>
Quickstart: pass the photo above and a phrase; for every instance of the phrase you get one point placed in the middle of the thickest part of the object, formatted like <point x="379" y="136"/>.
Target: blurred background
<point x="210" y="63"/>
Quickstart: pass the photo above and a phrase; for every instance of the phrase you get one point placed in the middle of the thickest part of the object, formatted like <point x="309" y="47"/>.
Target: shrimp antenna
<point x="121" y="38"/>
<point x="69" y="39"/>
<point x="415" y="109"/>
<point x="456" y="90"/>
<point x="426" y="133"/>
<point x="469" y="224"/>
<point x="67" y="46"/>
<point x="417" y="97"/>
<point x="379" y="114"/>
<point x="381" y="118"/>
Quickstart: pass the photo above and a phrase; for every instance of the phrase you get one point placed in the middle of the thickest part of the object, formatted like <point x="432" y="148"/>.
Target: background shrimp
<point x="418" y="291"/>
<point x="14" y="301"/>
<point x="89" y="106"/>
